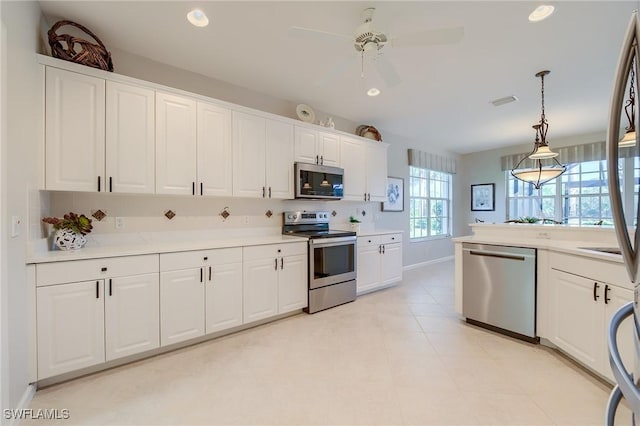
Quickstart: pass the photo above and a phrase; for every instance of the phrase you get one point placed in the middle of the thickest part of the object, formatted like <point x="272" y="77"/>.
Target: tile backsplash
<point x="144" y="213"/>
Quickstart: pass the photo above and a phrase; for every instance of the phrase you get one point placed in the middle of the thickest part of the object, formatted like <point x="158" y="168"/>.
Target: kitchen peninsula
<point x="577" y="287"/>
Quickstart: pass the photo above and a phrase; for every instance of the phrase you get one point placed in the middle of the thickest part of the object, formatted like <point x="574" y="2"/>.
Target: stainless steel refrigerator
<point x="627" y="231"/>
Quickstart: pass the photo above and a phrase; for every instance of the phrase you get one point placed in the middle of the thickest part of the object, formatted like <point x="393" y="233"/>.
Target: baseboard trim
<point x="428" y="262"/>
<point x="23" y="404"/>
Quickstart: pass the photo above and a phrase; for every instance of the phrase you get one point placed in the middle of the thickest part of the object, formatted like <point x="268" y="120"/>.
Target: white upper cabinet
<point x="130" y="139"/>
<point x="365" y="169"/>
<point x="215" y="150"/>
<point x="279" y="159"/>
<point x="74" y="131"/>
<point x="175" y="144"/>
<point x="317" y="147"/>
<point x="262" y="157"/>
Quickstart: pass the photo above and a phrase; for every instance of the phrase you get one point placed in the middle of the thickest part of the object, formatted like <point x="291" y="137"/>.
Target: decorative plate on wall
<point x="306" y="113"/>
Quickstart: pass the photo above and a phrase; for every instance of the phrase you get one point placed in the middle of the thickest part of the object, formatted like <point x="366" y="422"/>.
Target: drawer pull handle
<point x="595" y="292"/>
<point x="206" y="258"/>
<point x="103" y="269"/>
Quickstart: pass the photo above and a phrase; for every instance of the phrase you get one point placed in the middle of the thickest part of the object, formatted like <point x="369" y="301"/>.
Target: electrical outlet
<point x="119" y="222"/>
<point x="16" y="225"/>
<point x="246" y="220"/>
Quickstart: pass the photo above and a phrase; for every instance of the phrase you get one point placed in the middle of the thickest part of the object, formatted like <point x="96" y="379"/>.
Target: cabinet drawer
<point x="600" y="270"/>
<point x="198" y="258"/>
<point x="274" y="250"/>
<point x="91" y="269"/>
<point x="371" y="240"/>
<point x="391" y="238"/>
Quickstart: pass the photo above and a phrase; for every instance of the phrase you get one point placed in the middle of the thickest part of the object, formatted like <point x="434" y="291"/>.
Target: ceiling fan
<point x="368" y="41"/>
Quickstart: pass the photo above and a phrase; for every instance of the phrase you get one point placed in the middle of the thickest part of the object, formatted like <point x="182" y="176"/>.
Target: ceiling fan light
<point x="541" y="12"/>
<point x="542" y="152"/>
<point x="373" y="92"/>
<point x="629" y="139"/>
<point x="198" y="18"/>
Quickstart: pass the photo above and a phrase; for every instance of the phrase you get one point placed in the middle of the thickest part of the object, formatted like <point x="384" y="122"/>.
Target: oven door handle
<point x="337" y="241"/>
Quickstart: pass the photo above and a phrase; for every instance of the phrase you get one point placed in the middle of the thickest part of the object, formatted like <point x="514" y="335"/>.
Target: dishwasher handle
<point x="498" y="255"/>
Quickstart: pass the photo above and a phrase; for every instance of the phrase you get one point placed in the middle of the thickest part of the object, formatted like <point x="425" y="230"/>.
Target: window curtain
<point x="568" y="155"/>
<point x="429" y="161"/>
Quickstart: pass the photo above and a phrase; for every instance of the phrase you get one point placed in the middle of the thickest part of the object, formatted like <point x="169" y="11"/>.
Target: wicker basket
<point x="90" y="54"/>
<point x="369" y="132"/>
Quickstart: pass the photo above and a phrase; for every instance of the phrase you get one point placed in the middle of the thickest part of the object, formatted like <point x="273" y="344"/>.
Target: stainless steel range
<point x="332" y="258"/>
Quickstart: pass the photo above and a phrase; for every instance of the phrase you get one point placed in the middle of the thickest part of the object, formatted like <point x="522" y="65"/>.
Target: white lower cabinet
<point x="181" y="305"/>
<point x="70" y="322"/>
<point x="581" y="309"/>
<point x="200" y="292"/>
<point x="379" y="261"/>
<point x="110" y="315"/>
<point x="275" y="280"/>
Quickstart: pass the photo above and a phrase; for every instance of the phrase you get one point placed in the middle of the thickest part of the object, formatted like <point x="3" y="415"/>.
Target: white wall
<point x="23" y="130"/>
<point x="484" y="167"/>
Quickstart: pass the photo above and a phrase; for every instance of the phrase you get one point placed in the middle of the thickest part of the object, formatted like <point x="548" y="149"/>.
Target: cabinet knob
<point x="103" y="269"/>
<point x="205" y="258"/>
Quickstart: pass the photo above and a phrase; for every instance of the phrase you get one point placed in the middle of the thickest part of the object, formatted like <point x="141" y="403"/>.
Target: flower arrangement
<point x="76" y="223"/>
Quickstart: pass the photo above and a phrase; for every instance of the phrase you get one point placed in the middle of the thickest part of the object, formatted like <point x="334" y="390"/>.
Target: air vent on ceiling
<point x="505" y="100"/>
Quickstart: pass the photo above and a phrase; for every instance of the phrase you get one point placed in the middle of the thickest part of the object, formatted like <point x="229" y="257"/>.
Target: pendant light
<point x="325" y="182"/>
<point x="540" y="174"/>
<point x="629" y="138"/>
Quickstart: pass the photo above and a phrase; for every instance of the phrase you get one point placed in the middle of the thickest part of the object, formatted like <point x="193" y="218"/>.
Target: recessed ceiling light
<point x="373" y="92"/>
<point x="542" y="12"/>
<point x="198" y="18"/>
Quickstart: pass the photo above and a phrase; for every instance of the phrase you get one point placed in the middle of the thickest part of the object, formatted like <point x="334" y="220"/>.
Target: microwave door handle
<point x="629" y="49"/>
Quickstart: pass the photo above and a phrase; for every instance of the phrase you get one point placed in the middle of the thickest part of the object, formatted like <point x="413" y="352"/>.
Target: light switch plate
<point x="16" y="226"/>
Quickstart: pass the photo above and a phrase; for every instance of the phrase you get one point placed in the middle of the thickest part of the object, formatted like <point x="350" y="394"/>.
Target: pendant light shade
<point x="629" y="138"/>
<point x="540" y="173"/>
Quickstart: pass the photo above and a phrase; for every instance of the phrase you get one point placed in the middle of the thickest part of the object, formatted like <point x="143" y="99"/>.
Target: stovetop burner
<point x="311" y="225"/>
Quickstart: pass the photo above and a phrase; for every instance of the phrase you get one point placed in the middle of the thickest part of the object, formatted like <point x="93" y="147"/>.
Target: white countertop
<point x="113" y="245"/>
<point x="368" y="232"/>
<point x="569" y="247"/>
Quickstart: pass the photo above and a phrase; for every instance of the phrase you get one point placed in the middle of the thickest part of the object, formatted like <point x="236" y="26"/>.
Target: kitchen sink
<point x="610" y="250"/>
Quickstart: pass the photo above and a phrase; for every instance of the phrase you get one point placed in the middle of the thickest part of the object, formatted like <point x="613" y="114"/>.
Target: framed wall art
<point x="483" y="197"/>
<point x="395" y="195"/>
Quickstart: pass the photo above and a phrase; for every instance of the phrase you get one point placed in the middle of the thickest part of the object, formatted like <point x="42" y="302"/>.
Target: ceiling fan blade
<point x="387" y="71"/>
<point x="430" y="37"/>
<point x="337" y="69"/>
<point x="309" y="33"/>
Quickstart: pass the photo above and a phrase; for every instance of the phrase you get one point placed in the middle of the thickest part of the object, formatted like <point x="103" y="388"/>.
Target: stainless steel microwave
<point x="318" y="182"/>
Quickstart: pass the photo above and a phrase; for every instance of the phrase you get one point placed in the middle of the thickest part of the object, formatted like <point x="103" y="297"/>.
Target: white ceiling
<point x="444" y="98"/>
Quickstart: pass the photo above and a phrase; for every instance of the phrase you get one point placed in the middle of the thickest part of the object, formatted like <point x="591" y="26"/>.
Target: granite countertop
<point x="114" y="245"/>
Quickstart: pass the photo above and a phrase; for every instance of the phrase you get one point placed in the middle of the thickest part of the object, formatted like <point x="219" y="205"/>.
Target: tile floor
<point x="397" y="356"/>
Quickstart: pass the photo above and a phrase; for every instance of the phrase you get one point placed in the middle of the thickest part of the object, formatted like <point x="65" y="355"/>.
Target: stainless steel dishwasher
<point x="499" y="288"/>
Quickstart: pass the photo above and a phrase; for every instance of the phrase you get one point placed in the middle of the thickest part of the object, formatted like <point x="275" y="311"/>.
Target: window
<point x="429" y="203"/>
<point x="579" y="197"/>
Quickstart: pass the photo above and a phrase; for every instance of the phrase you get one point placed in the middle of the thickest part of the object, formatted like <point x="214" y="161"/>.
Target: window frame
<point x="427" y="181"/>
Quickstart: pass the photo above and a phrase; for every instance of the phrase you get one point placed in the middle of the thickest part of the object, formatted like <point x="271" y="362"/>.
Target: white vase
<point x="66" y="239"/>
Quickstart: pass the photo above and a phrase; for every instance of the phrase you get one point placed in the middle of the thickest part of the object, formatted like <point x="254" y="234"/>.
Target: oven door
<point x="331" y="261"/>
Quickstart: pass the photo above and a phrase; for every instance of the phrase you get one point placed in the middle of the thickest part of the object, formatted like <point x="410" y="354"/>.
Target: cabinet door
<point x="292" y="284"/>
<point x="130" y="139"/>
<point x="260" y="289"/>
<point x="74" y="131"/>
<point x="376" y="171"/>
<point x="248" y="155"/>
<point x="576" y="318"/>
<point x="617" y="298"/>
<point x="329" y="144"/>
<point x="306" y="145"/>
<point x="181" y="305"/>
<point x="279" y="159"/>
<point x="224" y="297"/>
<point x="391" y="267"/>
<point x="352" y="153"/>
<point x="175" y="144"/>
<point x="70" y="324"/>
<point x="215" y="150"/>
<point x="368" y="268"/>
<point x="132" y="315"/>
